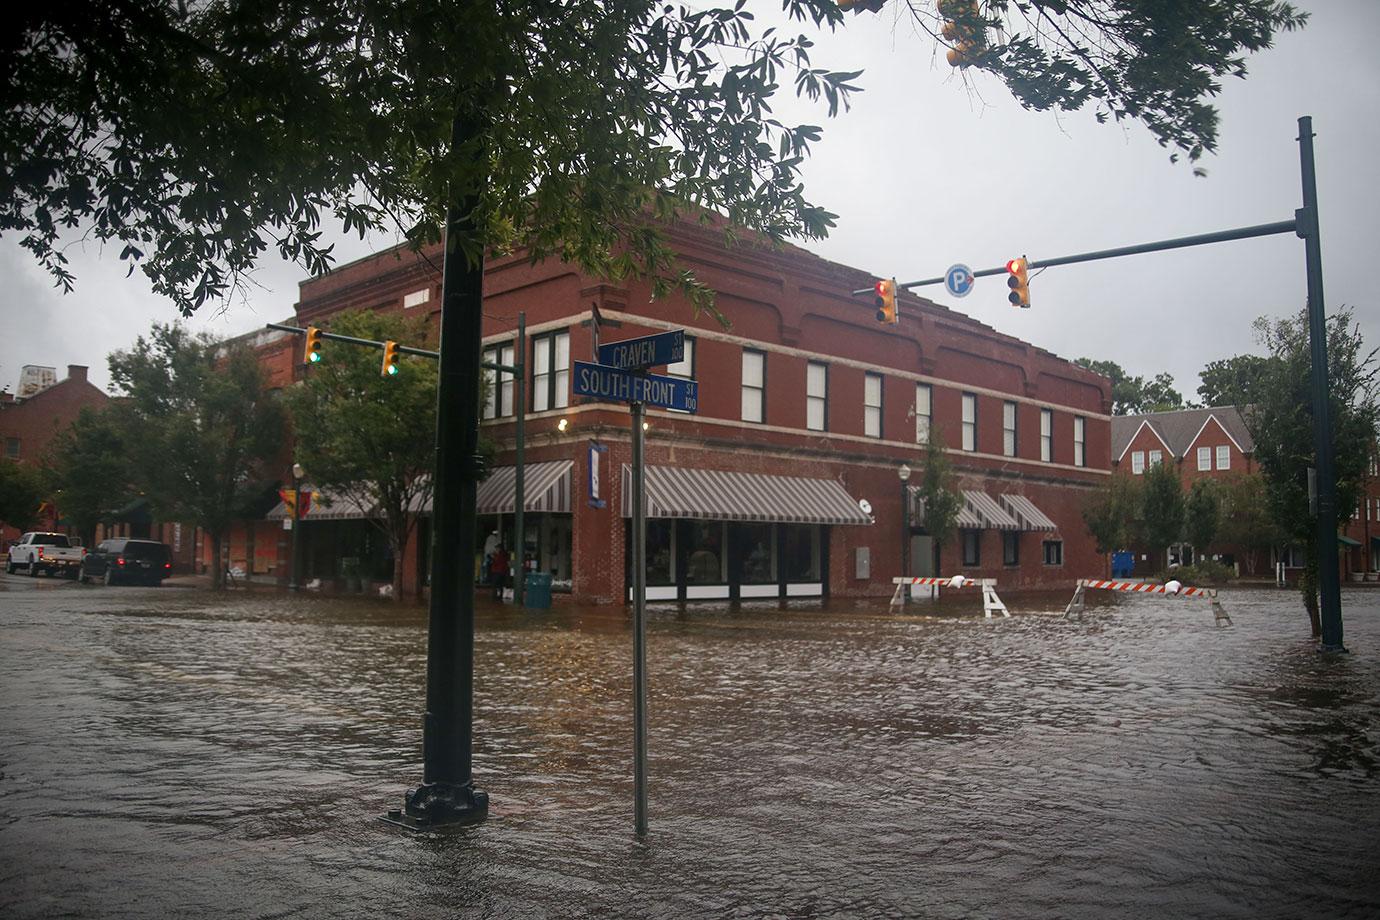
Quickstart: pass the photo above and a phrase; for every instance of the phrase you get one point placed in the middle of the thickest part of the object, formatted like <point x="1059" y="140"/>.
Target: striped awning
<point x="674" y="492"/>
<point x="967" y="519"/>
<point x="545" y="487"/>
<point x="1024" y="510"/>
<point x="324" y="507"/>
<point x="988" y="511"/>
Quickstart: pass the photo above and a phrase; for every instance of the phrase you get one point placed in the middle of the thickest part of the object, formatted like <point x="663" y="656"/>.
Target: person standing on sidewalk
<point x="498" y="571"/>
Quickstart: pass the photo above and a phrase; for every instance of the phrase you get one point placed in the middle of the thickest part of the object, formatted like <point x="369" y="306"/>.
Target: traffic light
<point x="1018" y="282"/>
<point x="886" y="301"/>
<point x="313" y="350"/>
<point x="391" y="357"/>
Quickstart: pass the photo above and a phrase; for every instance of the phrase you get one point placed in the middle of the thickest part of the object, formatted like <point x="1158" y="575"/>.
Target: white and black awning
<point x="717" y="495"/>
<point x="1024" y="510"/>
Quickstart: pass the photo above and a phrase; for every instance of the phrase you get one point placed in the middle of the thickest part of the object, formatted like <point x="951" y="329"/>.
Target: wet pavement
<point x="167" y="752"/>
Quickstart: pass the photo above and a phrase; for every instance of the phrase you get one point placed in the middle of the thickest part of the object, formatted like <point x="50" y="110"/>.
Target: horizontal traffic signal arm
<point x="1298" y="225"/>
<point x="404" y="349"/>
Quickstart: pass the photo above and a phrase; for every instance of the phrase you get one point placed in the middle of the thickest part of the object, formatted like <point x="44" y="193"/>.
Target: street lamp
<point x="297" y="474"/>
<point x="904" y="475"/>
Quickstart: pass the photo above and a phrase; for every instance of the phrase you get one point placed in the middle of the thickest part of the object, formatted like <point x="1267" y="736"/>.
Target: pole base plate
<point x="439" y="807"/>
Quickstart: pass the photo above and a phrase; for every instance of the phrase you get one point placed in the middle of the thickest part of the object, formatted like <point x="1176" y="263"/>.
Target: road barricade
<point x="991" y="603"/>
<point x="1168" y="589"/>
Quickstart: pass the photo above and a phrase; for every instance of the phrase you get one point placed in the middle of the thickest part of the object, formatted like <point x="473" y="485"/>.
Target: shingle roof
<point x="1178" y="429"/>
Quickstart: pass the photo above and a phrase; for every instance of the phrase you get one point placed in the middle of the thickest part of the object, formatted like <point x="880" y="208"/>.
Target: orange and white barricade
<point x="1169" y="588"/>
<point x="991" y="603"/>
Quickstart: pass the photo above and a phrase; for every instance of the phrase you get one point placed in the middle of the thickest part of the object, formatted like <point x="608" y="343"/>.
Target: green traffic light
<point x="392" y="369"/>
<point x="315" y="357"/>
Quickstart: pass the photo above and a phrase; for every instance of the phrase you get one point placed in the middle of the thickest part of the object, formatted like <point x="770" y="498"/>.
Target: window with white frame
<point x="816" y="396"/>
<point x="1156" y="456"/>
<point x="416" y="298"/>
<point x="923" y="410"/>
<point x="1080" y="445"/>
<point x="1224" y="456"/>
<point x="1047" y="435"/>
<point x="685" y="367"/>
<point x="498" y="397"/>
<point x="1137" y="462"/>
<point x="969" y="421"/>
<point x="1204" y="458"/>
<point x="1053" y="551"/>
<point x="550" y="371"/>
<point x="754" y="385"/>
<point x="1008" y="429"/>
<point x="872" y="405"/>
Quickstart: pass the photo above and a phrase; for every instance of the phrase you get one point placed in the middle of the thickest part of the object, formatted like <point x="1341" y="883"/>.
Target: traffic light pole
<point x="519" y="491"/>
<point x="1304" y="225"/>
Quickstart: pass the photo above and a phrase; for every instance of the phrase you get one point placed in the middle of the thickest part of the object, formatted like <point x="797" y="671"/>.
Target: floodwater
<point x="170" y="753"/>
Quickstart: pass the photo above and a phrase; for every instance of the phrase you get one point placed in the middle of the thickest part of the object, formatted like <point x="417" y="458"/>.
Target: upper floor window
<point x="1137" y="462"/>
<point x="1156" y="456"/>
<point x="685" y="367"/>
<point x="1204" y="458"/>
<point x="1080" y="441"/>
<point x="416" y="298"/>
<point x="969" y="421"/>
<point x="923" y="410"/>
<point x="550" y="371"/>
<point x="872" y="405"/>
<point x="1008" y="429"/>
<point x="12" y="448"/>
<point x="498" y="385"/>
<point x="816" y="396"/>
<point x="754" y="385"/>
<point x="1223" y="457"/>
<point x="1046" y="435"/>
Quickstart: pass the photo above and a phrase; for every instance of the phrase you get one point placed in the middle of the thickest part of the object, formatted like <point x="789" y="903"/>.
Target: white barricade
<point x="990" y="601"/>
<point x="1170" y="588"/>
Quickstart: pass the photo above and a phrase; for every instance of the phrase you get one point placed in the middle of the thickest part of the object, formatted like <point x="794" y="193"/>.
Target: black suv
<point x="115" y="561"/>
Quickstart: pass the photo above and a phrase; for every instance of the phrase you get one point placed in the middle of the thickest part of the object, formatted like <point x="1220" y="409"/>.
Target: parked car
<point x="45" y="552"/>
<point x="122" y="560"/>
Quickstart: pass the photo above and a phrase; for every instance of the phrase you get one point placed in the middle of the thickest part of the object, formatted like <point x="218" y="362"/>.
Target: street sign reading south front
<point x="647" y="351"/>
<point x="626" y="386"/>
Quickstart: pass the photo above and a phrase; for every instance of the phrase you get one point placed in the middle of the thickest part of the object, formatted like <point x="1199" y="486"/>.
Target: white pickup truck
<point x="45" y="552"/>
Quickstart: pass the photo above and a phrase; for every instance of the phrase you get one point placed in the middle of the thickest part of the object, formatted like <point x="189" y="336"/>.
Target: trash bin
<point x="538" y="591"/>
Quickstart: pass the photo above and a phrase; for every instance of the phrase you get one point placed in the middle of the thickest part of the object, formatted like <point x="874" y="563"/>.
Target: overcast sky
<point x="925" y="172"/>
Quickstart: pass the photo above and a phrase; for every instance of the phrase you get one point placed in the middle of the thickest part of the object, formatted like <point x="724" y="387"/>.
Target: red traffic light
<point x="1019" y="282"/>
<point x="886" y="301"/>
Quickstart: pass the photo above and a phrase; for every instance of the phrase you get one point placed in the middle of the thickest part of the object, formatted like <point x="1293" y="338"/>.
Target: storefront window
<point x="661" y="552"/>
<point x="801" y="547"/>
<point x="705" y="560"/>
<point x="759" y="554"/>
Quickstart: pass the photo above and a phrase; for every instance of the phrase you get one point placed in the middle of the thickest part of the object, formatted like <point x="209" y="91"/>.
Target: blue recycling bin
<point x="537" y="595"/>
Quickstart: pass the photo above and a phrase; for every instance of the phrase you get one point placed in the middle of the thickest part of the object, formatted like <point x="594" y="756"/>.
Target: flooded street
<point x="164" y="752"/>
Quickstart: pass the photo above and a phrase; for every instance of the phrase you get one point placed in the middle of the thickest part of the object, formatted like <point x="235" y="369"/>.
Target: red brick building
<point x="785" y="483"/>
<point x="28" y="425"/>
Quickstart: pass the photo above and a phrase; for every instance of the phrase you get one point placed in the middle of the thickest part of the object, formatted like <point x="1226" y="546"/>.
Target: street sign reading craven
<point x="647" y="351"/>
<point x="625" y="386"/>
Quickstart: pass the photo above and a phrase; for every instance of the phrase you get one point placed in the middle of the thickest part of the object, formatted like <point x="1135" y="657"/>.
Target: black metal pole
<point x="447" y="795"/>
<point x="293" y="577"/>
<point x="905" y="536"/>
<point x="519" y="490"/>
<point x="1329" y="578"/>
<point x="639" y="573"/>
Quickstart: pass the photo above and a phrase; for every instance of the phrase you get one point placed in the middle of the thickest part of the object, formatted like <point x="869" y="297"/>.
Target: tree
<point x="370" y="438"/>
<point x="202" y="429"/>
<point x="1232" y="381"/>
<point x="939" y="499"/>
<point x="1202" y="515"/>
<point x="90" y="469"/>
<point x="22" y="491"/>
<point x="1161" y="507"/>
<point x="1111" y="514"/>
<point x="1136" y="395"/>
<point x="1245" y="518"/>
<point x="1281" y="422"/>
<point x="198" y="135"/>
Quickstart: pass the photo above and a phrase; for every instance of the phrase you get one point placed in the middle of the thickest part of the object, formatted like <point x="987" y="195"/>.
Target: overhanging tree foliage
<point x="200" y="135"/>
<point x="1281" y="422"/>
<point x="1136" y="395"/>
<point x="1231" y="381"/>
<point x="22" y="491"/>
<point x="202" y="429"/>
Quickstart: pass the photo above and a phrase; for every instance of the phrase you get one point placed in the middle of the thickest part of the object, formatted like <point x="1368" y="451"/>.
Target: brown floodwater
<point x="170" y="753"/>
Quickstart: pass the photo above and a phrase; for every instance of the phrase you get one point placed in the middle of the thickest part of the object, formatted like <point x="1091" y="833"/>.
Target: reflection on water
<point x="168" y="753"/>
